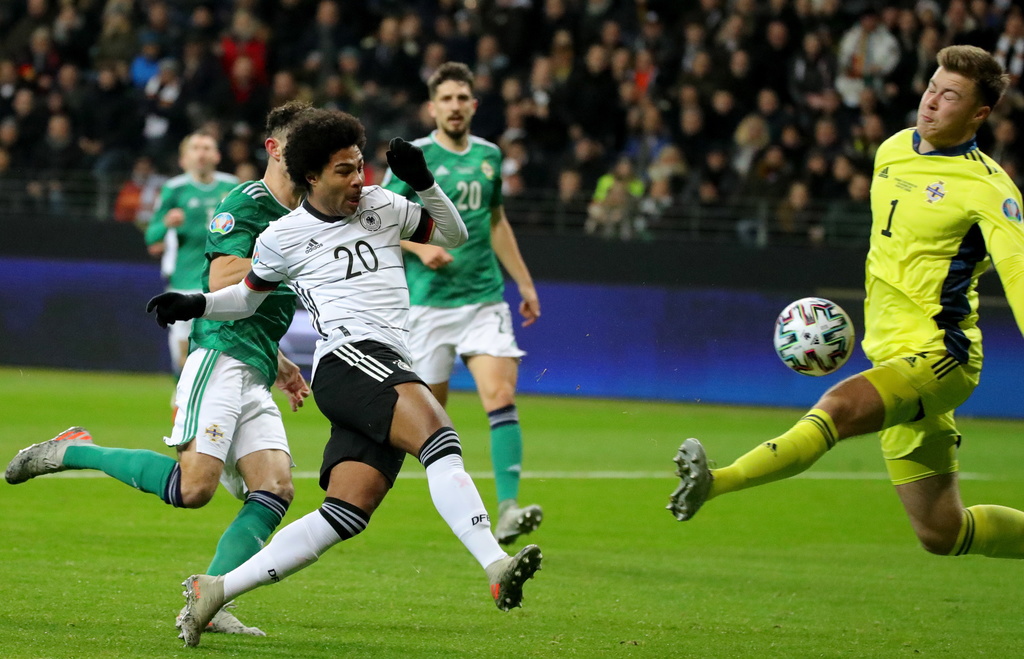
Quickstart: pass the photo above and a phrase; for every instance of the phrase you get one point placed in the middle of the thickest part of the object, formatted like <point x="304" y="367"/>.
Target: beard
<point x="456" y="134"/>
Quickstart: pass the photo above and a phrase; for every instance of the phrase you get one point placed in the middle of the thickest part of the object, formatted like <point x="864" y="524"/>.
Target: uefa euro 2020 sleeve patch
<point x="1011" y="209"/>
<point x="222" y="223"/>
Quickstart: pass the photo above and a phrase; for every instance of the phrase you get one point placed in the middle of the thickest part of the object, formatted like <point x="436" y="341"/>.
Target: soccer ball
<point x="814" y="336"/>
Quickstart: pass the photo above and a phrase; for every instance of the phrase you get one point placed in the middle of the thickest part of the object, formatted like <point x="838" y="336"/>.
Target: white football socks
<point x="292" y="548"/>
<point x="456" y="498"/>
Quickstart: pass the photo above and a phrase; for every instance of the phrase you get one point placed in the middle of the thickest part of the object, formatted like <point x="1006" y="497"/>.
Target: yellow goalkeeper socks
<point x="787" y="455"/>
<point x="995" y="531"/>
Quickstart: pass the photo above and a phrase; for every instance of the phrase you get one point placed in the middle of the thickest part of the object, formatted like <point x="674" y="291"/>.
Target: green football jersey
<point x="472" y="180"/>
<point x="239" y="220"/>
<point x="198" y="201"/>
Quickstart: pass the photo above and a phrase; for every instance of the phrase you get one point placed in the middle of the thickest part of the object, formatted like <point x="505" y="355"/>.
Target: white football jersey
<point x="348" y="271"/>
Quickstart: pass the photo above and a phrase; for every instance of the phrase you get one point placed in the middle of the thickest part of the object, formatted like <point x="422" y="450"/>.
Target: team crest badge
<point x="370" y="221"/>
<point x="1011" y="209"/>
<point x="222" y="223"/>
<point x="402" y="365"/>
<point x="214" y="433"/>
<point x="486" y="168"/>
<point x="935" y="192"/>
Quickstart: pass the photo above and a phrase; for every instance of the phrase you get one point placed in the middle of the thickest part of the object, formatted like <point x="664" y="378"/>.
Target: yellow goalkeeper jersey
<point x="938" y="220"/>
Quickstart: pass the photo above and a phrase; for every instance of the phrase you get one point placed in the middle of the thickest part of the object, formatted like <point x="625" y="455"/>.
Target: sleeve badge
<point x="222" y="223"/>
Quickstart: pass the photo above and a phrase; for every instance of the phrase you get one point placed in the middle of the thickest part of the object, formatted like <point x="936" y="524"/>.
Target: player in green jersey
<point x="227" y="427"/>
<point x="457" y="299"/>
<point x="942" y="213"/>
<point x="178" y="228"/>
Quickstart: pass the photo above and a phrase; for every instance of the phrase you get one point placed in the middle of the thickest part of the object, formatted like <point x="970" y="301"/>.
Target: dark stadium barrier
<point x="652" y="336"/>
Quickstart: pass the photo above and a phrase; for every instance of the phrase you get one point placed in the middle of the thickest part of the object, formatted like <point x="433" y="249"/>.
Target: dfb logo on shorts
<point x="370" y="221"/>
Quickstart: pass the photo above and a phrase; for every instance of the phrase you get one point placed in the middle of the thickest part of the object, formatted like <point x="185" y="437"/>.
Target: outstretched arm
<point x="231" y="303"/>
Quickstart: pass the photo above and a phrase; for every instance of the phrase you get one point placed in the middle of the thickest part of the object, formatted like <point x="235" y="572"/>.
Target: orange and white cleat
<point x="45" y="457"/>
<point x="507" y="576"/>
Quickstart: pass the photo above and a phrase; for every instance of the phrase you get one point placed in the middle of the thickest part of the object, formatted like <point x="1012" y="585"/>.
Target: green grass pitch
<point x="818" y="566"/>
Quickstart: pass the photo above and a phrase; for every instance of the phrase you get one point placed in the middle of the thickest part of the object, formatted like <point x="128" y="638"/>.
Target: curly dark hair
<point x="280" y="118"/>
<point x="315" y="137"/>
<point x="456" y="71"/>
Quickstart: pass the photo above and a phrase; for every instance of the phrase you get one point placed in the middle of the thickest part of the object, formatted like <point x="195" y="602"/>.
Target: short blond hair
<point x="977" y="65"/>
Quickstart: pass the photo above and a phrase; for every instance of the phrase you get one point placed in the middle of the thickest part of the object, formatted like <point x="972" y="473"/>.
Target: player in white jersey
<point x="340" y="252"/>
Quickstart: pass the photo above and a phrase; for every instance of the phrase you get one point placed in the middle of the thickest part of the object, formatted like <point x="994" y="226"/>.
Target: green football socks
<point x="144" y="470"/>
<point x="259" y="516"/>
<point x="506" y="450"/>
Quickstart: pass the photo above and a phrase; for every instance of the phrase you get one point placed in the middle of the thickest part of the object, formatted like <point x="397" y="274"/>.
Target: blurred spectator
<point x="716" y="170"/>
<point x="37" y="15"/>
<point x="692" y="139"/>
<point x="384" y="60"/>
<point x="1005" y="146"/>
<point x="72" y="89"/>
<point x="117" y="41"/>
<point x="614" y="214"/>
<point x="29" y="114"/>
<point x="723" y="118"/>
<point x="649" y="139"/>
<point x="694" y="41"/>
<point x="12" y="186"/>
<point x="867" y="54"/>
<point x="9" y="84"/>
<point x="138" y="195"/>
<point x="670" y="166"/>
<point x="797" y="219"/>
<point x="749" y="140"/>
<point x="203" y="25"/>
<point x="40" y="61"/>
<point x="321" y="43"/>
<point x="161" y="27"/>
<point x="741" y="81"/>
<point x="811" y="72"/>
<point x="586" y="159"/>
<point x="838" y="182"/>
<point x="285" y="87"/>
<point x="245" y="38"/>
<point x="164" y="116"/>
<point x="203" y="85"/>
<point x="587" y="109"/>
<point x="53" y="169"/>
<point x="145" y="65"/>
<point x="16" y="148"/>
<point x="868" y="136"/>
<point x="848" y="220"/>
<point x="1009" y="48"/>
<point x="571" y="201"/>
<point x="773" y="58"/>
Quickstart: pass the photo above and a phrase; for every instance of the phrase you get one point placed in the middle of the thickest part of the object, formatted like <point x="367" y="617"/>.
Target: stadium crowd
<point x="722" y="120"/>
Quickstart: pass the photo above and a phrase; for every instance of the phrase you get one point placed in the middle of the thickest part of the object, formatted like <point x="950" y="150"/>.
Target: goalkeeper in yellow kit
<point x="942" y="211"/>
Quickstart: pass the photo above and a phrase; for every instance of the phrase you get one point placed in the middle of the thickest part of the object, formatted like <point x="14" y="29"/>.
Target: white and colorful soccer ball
<point x="814" y="336"/>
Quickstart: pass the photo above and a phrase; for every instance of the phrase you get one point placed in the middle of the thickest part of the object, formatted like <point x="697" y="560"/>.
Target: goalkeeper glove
<point x="407" y="162"/>
<point x="170" y="307"/>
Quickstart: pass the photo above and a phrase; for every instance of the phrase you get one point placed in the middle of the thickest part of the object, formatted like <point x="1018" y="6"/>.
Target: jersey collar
<point x="958" y="150"/>
<point x="322" y="216"/>
<point x="433" y="137"/>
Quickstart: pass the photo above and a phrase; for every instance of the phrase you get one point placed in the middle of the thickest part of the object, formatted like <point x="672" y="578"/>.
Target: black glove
<point x="407" y="162"/>
<point x="170" y="307"/>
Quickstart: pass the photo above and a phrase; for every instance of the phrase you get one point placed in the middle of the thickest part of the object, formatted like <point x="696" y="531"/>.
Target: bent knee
<point x="937" y="542"/>
<point x="282" y="488"/>
<point x="197" y="495"/>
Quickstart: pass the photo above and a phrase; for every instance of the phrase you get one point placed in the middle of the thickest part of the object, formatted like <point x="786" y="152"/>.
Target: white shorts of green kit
<point x="226" y="406"/>
<point x="438" y="334"/>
